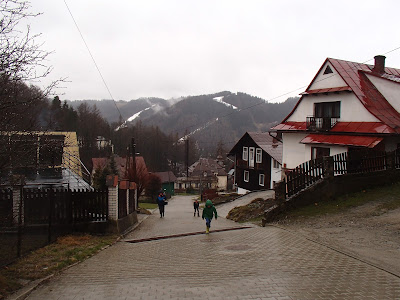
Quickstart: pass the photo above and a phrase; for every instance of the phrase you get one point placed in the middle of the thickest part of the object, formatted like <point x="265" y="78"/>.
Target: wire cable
<point x="284" y="94"/>
<point x="94" y="61"/>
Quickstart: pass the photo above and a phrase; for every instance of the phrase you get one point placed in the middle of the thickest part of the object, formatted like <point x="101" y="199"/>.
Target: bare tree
<point x="22" y="62"/>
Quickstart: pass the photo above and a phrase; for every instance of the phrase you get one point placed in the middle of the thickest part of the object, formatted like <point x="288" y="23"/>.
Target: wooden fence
<point x="6" y="207"/>
<point x="303" y="176"/>
<point x="64" y="206"/>
<point x="310" y="172"/>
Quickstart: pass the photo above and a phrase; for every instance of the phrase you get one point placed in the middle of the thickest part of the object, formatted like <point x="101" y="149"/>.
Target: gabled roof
<point x="350" y="127"/>
<point x="166" y="176"/>
<point x="348" y="140"/>
<point x="120" y="162"/>
<point x="267" y="143"/>
<point x="208" y="165"/>
<point x="355" y="76"/>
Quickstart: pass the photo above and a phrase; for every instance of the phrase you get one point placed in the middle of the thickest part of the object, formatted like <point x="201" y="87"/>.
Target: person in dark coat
<point x="196" y="205"/>
<point x="161" y="204"/>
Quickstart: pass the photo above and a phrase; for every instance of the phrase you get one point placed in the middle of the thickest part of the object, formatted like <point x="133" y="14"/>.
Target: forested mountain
<point x="210" y="119"/>
<point x="108" y="108"/>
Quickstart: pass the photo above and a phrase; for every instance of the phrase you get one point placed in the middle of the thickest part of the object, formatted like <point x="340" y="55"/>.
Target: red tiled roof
<point x="354" y="75"/>
<point x="290" y="126"/>
<point x="328" y="90"/>
<point x="348" y="140"/>
<point x="348" y="127"/>
<point x="362" y="127"/>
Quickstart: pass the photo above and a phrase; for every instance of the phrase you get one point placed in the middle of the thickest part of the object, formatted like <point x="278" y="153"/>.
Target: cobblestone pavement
<point x="252" y="263"/>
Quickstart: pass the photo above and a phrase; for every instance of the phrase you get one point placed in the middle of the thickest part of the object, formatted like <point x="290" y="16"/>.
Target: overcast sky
<point x="173" y="48"/>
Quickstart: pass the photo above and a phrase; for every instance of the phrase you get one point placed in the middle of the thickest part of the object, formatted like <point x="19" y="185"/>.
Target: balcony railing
<point x="320" y="124"/>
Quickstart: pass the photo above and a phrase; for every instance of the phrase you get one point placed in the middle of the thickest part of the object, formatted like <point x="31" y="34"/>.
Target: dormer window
<point x="328" y="70"/>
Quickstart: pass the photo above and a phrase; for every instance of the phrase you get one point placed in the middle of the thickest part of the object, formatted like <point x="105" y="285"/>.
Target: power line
<point x="94" y="61"/>
<point x="284" y="94"/>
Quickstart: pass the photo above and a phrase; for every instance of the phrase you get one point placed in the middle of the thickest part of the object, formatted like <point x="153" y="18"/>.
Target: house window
<point x="319" y="152"/>
<point x="327" y="109"/>
<point x="246" y="176"/>
<point x="258" y="156"/>
<point x="245" y="153"/>
<point x="261" y="179"/>
<point x="328" y="70"/>
<point x="275" y="164"/>
<point x="251" y="157"/>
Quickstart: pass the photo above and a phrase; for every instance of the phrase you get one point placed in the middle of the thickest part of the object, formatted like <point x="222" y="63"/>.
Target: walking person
<point x="161" y="204"/>
<point x="196" y="205"/>
<point x="208" y="213"/>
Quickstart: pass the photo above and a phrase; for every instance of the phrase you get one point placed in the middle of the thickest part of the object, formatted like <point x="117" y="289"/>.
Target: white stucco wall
<point x="351" y="109"/>
<point x="241" y="191"/>
<point x="276" y="174"/>
<point x="296" y="153"/>
<point x="390" y="90"/>
<point x="328" y="80"/>
<point x="333" y="149"/>
<point x="293" y="151"/>
<point x="222" y="182"/>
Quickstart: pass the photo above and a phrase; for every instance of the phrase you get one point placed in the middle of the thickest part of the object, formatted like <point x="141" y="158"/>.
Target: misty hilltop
<point x="209" y="119"/>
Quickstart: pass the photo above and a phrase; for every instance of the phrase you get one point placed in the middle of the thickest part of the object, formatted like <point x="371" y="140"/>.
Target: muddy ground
<point x="367" y="232"/>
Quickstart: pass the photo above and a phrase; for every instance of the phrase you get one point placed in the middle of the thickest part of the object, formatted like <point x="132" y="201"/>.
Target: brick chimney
<point x="379" y="66"/>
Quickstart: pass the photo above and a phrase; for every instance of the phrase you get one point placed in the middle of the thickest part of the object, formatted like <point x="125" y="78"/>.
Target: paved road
<point x="251" y="263"/>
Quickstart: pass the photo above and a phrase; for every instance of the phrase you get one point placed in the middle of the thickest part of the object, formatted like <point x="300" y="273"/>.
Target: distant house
<point x="206" y="173"/>
<point x="120" y="163"/>
<point x="43" y="158"/>
<point x="347" y="107"/>
<point x="258" y="159"/>
<point x="168" y="180"/>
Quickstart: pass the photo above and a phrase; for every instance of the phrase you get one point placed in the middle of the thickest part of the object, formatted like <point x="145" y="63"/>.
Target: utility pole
<point x="187" y="157"/>
<point x="133" y="149"/>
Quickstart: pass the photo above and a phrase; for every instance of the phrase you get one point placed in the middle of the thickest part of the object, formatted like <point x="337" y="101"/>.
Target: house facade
<point x="347" y="107"/>
<point x="258" y="159"/>
<point x="43" y="158"/>
<point x="206" y="173"/>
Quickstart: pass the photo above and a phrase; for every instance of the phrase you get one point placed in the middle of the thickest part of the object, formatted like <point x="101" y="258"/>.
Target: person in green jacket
<point x="208" y="212"/>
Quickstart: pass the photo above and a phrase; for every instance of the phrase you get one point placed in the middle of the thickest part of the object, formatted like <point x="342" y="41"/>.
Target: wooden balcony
<point x="320" y="124"/>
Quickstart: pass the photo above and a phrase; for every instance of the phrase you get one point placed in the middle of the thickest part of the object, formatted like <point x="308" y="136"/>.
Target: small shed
<point x="167" y="181"/>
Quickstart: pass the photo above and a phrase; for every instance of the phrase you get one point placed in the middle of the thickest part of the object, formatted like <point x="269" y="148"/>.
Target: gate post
<point x="124" y="185"/>
<point x="280" y="191"/>
<point x="328" y="167"/>
<point x="133" y="189"/>
<point x="390" y="160"/>
<point x="112" y="183"/>
<point x="17" y="183"/>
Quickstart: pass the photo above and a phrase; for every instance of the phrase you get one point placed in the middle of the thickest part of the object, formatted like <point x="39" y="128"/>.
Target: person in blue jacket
<point x="161" y="204"/>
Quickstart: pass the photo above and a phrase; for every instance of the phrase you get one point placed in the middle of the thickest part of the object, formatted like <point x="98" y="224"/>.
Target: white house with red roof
<point x="347" y="106"/>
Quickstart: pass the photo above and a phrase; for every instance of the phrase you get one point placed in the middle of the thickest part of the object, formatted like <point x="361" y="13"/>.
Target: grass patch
<point x="252" y="212"/>
<point x="388" y="196"/>
<point x="40" y="263"/>
<point x="147" y="205"/>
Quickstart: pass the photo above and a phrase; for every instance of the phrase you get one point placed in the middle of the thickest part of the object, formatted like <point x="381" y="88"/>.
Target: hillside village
<point x="133" y="171"/>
